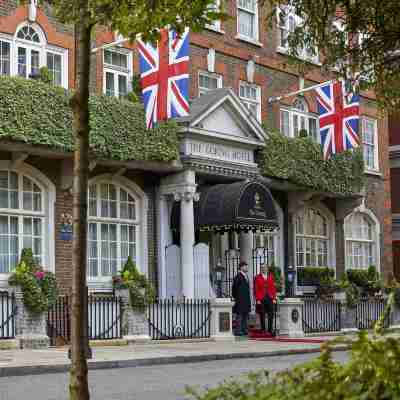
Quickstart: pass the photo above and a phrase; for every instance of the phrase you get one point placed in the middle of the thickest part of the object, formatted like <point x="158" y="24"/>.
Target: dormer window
<point x="28" y="51"/>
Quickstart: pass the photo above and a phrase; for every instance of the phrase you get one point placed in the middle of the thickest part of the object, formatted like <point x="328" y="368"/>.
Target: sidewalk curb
<point x="99" y="365"/>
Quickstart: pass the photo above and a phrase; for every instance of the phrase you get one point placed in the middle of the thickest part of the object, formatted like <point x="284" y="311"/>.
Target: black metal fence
<point x="321" y="316"/>
<point x="7" y="315"/>
<point x="104" y="319"/>
<point x="179" y="319"/>
<point x="369" y="311"/>
<point x="58" y="322"/>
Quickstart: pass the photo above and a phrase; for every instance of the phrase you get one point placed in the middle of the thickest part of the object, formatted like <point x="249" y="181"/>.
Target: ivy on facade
<point x="300" y="160"/>
<point x="37" y="113"/>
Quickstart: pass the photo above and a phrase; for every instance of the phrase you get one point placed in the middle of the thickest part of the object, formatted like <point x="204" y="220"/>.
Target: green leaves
<point x="355" y="39"/>
<point x="40" y="114"/>
<point x="39" y="288"/>
<point x="370" y="374"/>
<point x="301" y="161"/>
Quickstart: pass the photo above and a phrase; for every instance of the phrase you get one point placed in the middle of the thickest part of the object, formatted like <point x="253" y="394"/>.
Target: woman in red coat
<point x="265" y="294"/>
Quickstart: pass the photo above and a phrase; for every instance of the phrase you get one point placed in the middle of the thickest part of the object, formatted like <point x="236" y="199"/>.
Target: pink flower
<point x="39" y="275"/>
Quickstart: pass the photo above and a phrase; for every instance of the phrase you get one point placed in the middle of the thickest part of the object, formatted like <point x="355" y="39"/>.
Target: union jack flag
<point x="164" y="73"/>
<point x="338" y="118"/>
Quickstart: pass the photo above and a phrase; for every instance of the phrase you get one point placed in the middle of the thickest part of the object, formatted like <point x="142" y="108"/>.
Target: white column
<point x="224" y="247"/>
<point x="246" y="248"/>
<point x="165" y="239"/>
<point x="246" y="254"/>
<point x="187" y="243"/>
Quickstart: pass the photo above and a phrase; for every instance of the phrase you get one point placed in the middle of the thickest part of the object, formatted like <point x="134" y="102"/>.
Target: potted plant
<point x="130" y="280"/>
<point x="39" y="288"/>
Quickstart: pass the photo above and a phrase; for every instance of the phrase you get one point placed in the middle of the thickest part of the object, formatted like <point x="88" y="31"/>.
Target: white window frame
<point x="241" y="36"/>
<point x="314" y="238"/>
<point x="10" y="43"/>
<point x="293" y="113"/>
<point x="104" y="283"/>
<point x="364" y="120"/>
<point x="375" y="226"/>
<point x="47" y="215"/>
<point x="117" y="71"/>
<point x="330" y="220"/>
<point x="285" y="49"/>
<point x="216" y="25"/>
<point x="203" y="90"/>
<point x="246" y="101"/>
<point x="43" y="47"/>
<point x="262" y="240"/>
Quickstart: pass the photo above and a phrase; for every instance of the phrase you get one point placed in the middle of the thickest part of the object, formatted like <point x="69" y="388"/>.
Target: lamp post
<point x="219" y="271"/>
<point x="291" y="281"/>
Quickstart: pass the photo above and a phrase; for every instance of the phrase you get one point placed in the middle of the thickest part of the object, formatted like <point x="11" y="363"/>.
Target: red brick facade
<point x="272" y="74"/>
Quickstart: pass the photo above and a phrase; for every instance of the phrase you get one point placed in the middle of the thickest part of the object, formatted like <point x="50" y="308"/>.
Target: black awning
<point x="240" y="206"/>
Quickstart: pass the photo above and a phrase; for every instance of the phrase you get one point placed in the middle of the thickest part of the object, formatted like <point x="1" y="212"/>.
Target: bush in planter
<point x="367" y="280"/>
<point x="141" y="291"/>
<point x="312" y="276"/>
<point x="371" y="373"/>
<point x="39" y="287"/>
<point x="327" y="287"/>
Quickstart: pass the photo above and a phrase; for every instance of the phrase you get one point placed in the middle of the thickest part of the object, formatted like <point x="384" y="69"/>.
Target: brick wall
<point x="273" y="75"/>
<point x="395" y="176"/>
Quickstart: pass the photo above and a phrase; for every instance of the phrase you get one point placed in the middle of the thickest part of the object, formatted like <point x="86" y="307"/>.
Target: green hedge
<point x="37" y="113"/>
<point x="300" y="160"/>
<point x="313" y="276"/>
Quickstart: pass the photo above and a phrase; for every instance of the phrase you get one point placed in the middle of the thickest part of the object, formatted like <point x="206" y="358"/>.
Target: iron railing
<point x="321" y="316"/>
<point x="104" y="319"/>
<point x="7" y="315"/>
<point x="179" y="319"/>
<point x="369" y="311"/>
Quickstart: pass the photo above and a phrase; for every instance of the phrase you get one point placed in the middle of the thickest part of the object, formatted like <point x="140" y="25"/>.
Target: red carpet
<point x="256" y="334"/>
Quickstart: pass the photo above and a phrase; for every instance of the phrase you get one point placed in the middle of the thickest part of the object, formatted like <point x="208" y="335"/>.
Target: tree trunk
<point x="79" y="389"/>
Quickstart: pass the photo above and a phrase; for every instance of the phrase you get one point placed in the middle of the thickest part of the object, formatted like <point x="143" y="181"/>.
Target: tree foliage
<point x="141" y="17"/>
<point x="371" y="373"/>
<point x="359" y="39"/>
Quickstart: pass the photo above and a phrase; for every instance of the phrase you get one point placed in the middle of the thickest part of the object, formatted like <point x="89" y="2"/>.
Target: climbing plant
<point x="300" y="160"/>
<point x="37" y="113"/>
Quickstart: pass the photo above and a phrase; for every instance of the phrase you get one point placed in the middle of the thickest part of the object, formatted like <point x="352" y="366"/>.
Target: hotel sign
<point x="218" y="152"/>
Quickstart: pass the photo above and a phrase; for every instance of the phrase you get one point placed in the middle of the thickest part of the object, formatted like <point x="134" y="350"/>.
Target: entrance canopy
<point x="239" y="206"/>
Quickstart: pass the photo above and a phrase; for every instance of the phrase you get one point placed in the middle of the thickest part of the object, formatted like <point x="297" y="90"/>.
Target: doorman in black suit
<point x="241" y="295"/>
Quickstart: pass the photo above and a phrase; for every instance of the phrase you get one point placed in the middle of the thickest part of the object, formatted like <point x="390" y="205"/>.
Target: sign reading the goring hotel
<point x="217" y="151"/>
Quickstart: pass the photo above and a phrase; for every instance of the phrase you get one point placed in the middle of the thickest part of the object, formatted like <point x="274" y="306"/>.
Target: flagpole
<point x="274" y="99"/>
<point x="112" y="44"/>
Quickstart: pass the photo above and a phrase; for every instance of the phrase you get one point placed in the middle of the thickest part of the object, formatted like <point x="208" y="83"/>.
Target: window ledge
<point x="284" y="51"/>
<point x="249" y="40"/>
<point x="213" y="29"/>
<point x="373" y="172"/>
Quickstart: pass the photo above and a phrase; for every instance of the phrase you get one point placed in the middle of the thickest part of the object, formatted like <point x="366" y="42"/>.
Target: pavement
<point x="55" y="360"/>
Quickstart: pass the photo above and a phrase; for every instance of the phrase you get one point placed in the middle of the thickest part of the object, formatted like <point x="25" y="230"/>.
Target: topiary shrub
<point x="39" y="287"/>
<point x="141" y="291"/>
<point x="313" y="276"/>
<point x="367" y="280"/>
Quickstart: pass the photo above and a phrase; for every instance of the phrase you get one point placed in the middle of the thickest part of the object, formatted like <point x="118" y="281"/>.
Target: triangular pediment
<point x="221" y="113"/>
